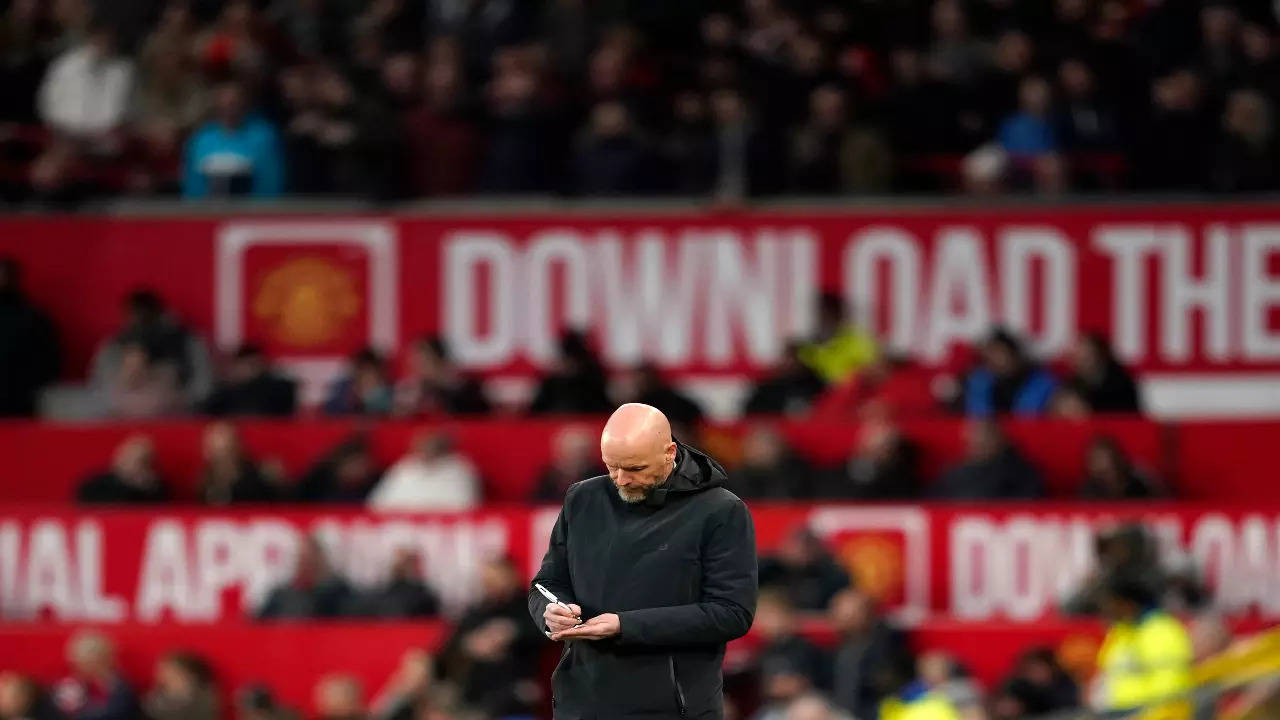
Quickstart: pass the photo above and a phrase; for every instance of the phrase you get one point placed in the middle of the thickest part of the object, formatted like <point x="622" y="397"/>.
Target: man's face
<point x="637" y="467"/>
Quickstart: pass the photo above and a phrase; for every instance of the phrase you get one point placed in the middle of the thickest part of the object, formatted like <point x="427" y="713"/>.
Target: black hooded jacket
<point x="679" y="569"/>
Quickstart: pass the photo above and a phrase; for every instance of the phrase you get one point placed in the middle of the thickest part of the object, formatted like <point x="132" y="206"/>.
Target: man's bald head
<point x="637" y="448"/>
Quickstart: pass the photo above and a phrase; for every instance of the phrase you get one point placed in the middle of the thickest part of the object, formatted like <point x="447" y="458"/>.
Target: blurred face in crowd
<point x="405" y="565"/>
<point x="852" y="611"/>
<point x="718" y="31"/>
<point x="689" y="108"/>
<point x="1034" y="96"/>
<point x="334" y="90"/>
<point x="637" y="449"/>
<point x="17" y="695"/>
<point x="229" y="104"/>
<point x="174" y="678"/>
<point x="1105" y="463"/>
<point x="135" y="365"/>
<point x="338" y="697"/>
<point x="1076" y="78"/>
<point x="91" y="654"/>
<point x="1000" y="358"/>
<point x="400" y="76"/>
<point x="1178" y="92"/>
<point x="1217" y="25"/>
<point x="1255" y="42"/>
<point x="727" y="107"/>
<point x="908" y="68"/>
<point x="985" y="440"/>
<point x="1248" y="117"/>
<point x="774" y="616"/>
<point x="763" y="448"/>
<point x="1087" y="357"/>
<point x="1071" y="10"/>
<point x="1013" y="52"/>
<point x="369" y="376"/>
<point x="935" y="668"/>
<point x="134" y="461"/>
<point x="247" y="366"/>
<point x="948" y="20"/>
<point x="827" y="106"/>
<point x="810" y="707"/>
<point x="609" y="120"/>
<point x="221" y="444"/>
<point x="432" y="445"/>
<point x="311" y="564"/>
<point x="808" y="56"/>
<point x="353" y="468"/>
<point x="574" y="449"/>
<point x="498" y="580"/>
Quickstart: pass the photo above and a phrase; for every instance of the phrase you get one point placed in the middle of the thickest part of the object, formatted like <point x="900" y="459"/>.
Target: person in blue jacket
<point x="1007" y="381"/>
<point x="235" y="154"/>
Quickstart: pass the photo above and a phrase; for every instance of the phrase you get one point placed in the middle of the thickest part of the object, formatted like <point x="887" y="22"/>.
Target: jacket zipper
<point x="563" y="655"/>
<point x="675" y="681"/>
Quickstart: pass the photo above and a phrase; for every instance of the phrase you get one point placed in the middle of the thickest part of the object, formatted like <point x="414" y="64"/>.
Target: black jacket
<point x="679" y="570"/>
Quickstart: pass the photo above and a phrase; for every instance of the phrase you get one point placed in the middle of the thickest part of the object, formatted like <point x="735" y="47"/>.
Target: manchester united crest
<point x="307" y="302"/>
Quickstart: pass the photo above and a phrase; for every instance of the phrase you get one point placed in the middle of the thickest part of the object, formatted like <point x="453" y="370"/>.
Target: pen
<point x="550" y="596"/>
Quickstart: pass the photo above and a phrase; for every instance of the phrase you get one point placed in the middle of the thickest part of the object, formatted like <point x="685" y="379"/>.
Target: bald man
<point x="654" y="565"/>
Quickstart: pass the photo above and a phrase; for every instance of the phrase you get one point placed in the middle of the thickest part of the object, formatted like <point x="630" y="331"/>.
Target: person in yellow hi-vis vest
<point x="840" y="348"/>
<point x="931" y="696"/>
<point x="1146" y="655"/>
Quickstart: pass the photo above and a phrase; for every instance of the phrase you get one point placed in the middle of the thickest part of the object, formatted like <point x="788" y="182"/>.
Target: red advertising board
<point x="971" y="563"/>
<point x="1192" y="288"/>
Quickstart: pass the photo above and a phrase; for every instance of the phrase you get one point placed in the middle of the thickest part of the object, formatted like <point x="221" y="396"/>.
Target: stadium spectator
<point x="1110" y="475"/>
<point x="804" y="570"/>
<point x="167" y="343"/>
<point x="86" y="91"/>
<point x="491" y="654"/>
<point x="992" y="470"/>
<point x="1037" y="686"/>
<point x="813" y="706"/>
<point x="232" y="45"/>
<point x="1030" y="133"/>
<point x="339" y="697"/>
<point x="832" y="155"/>
<point x="235" y="154"/>
<point x="345" y="475"/>
<point x="432" y="476"/>
<point x="612" y="158"/>
<point x="939" y="691"/>
<point x="443" y="144"/>
<point x="790" y="390"/>
<point x="519" y="153"/>
<point x="144" y="386"/>
<point x="839" y="348"/>
<point x="770" y="469"/>
<point x="872" y="659"/>
<point x="171" y="98"/>
<point x="410" y="690"/>
<point x="22" y="698"/>
<point x="1172" y="150"/>
<point x="183" y="690"/>
<point x="689" y="148"/>
<point x="313" y="590"/>
<point x="404" y="594"/>
<point x="1126" y="551"/>
<point x="576" y="382"/>
<point x="252" y="386"/>
<point x="747" y="165"/>
<point x="364" y="389"/>
<point x="229" y="475"/>
<point x="1089" y="123"/>
<point x="26" y="41"/>
<point x="788" y="666"/>
<point x="575" y="456"/>
<point x="882" y="467"/>
<point x="1146" y="654"/>
<point x="434" y="385"/>
<point x="646" y="385"/>
<point x="888" y="387"/>
<point x="1246" y="155"/>
<point x="131" y="479"/>
<point x="955" y="56"/>
<point x="257" y="703"/>
<point x="1006" y="381"/>
<point x="1099" y="379"/>
<point x="29" y="357"/>
<point x="96" y="689"/>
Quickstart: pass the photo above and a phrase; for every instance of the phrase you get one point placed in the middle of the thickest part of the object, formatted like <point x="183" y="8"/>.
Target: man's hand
<point x="597" y="628"/>
<point x="557" y="618"/>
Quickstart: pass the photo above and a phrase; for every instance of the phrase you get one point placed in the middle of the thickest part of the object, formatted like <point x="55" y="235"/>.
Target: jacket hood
<point x="695" y="471"/>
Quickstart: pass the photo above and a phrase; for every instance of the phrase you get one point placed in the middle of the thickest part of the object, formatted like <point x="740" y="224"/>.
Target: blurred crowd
<point x="424" y="98"/>
<point x="821" y="649"/>
<point x="155" y="366"/>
